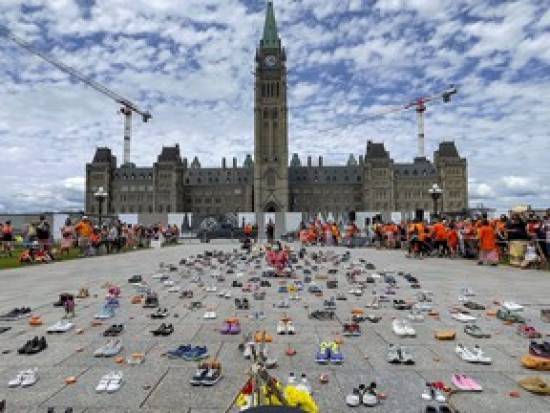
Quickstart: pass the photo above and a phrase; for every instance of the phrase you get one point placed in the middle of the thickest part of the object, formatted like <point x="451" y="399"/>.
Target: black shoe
<point x="28" y="346"/>
<point x="51" y="409"/>
<point x="168" y="329"/>
<point x="2" y="405"/>
<point x="38" y="346"/>
<point x="69" y="410"/>
<point x="159" y="330"/>
<point x="134" y="279"/>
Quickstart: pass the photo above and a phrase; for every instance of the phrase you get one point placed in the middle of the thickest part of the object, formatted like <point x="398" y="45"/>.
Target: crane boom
<point x="127" y="105"/>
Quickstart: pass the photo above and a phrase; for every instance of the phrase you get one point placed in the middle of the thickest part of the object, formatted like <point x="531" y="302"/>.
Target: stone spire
<point x="270" y="38"/>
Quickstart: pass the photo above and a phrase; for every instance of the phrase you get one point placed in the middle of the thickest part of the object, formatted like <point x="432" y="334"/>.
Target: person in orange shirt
<point x="452" y="240"/>
<point x="84" y="230"/>
<point x="440" y="238"/>
<point x="487" y="244"/>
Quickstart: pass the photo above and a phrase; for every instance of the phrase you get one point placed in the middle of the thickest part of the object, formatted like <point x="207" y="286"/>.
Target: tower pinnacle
<point x="270" y="38"/>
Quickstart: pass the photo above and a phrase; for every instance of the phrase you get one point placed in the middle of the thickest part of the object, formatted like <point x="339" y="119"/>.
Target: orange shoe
<point x="357" y="311"/>
<point x="35" y="321"/>
<point x="535" y="363"/>
<point x="137" y="299"/>
<point x="262" y="337"/>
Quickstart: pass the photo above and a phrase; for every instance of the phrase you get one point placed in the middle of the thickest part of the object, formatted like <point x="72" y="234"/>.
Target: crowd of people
<point x="91" y="238"/>
<point x="522" y="240"/>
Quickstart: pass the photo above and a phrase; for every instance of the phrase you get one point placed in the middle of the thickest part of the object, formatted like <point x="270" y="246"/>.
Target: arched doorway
<point x="271" y="207"/>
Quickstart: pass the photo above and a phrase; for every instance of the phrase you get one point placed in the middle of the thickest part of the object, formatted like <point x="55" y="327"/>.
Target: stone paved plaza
<point x="162" y="384"/>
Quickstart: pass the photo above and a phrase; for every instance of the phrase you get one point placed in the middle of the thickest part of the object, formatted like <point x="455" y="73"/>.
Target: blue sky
<point x="189" y="62"/>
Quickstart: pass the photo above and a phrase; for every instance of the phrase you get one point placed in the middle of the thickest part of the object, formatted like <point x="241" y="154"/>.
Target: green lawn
<point x="13" y="261"/>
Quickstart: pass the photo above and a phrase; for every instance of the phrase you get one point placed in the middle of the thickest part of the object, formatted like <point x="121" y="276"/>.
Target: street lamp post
<point x="435" y="192"/>
<point x="100" y="195"/>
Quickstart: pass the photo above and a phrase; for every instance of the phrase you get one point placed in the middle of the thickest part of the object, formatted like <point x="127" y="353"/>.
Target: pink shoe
<point x="466" y="383"/>
<point x="226" y="328"/>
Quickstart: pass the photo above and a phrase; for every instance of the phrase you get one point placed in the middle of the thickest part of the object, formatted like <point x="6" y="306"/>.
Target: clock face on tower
<point x="270" y="60"/>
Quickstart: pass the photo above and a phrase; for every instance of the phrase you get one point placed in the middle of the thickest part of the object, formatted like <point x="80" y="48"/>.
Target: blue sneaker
<point x="179" y="352"/>
<point x="323" y="355"/>
<point x="336" y="356"/>
<point x="195" y="353"/>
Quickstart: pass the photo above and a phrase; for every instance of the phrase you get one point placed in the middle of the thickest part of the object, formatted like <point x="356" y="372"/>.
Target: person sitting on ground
<point x="532" y="258"/>
<point x="487" y="244"/>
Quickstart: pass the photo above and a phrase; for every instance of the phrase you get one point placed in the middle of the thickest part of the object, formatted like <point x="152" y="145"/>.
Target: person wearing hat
<point x="84" y="230"/>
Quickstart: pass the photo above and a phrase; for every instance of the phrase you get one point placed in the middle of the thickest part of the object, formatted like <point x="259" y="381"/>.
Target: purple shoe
<point x="234" y="328"/>
<point x="226" y="328"/>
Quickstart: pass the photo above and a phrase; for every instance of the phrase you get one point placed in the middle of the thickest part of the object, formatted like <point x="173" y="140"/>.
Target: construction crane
<point x="127" y="106"/>
<point x="419" y="105"/>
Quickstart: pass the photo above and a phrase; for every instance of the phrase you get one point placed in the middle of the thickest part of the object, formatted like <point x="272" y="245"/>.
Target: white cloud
<point x="190" y="63"/>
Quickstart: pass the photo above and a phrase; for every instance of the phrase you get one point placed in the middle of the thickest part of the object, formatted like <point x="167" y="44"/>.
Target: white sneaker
<point x="112" y="348"/>
<point x="290" y="329"/>
<point x="29" y="378"/>
<point x="227" y="295"/>
<point x="399" y="328"/>
<point x="115" y="382"/>
<point x="465" y="354"/>
<point x="512" y="306"/>
<point x="16" y="382"/>
<point x="480" y="355"/>
<point x="104" y="382"/>
<point x="281" y="327"/>
<point x="247" y="353"/>
<point x="464" y="318"/>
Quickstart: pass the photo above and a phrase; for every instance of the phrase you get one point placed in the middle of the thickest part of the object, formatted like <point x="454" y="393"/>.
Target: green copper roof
<point x="270" y="38"/>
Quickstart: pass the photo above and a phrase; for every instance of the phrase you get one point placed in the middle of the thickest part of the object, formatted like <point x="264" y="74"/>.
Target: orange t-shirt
<point x="486" y="236"/>
<point x="452" y="238"/>
<point x="84" y="229"/>
<point x="440" y="231"/>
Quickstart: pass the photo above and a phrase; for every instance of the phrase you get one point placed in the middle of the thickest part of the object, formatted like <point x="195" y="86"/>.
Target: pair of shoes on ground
<point x="163" y="330"/>
<point x="463" y="316"/>
<point x="105" y="313"/>
<point x="402" y="328"/>
<point x="110" y="383"/>
<point x="511" y="316"/>
<point x="400" y="304"/>
<point x="465" y="383"/>
<point x="114" y="330"/>
<point x="322" y="315"/>
<point x="135" y="279"/>
<point x="475" y="331"/>
<point x="189" y="352"/>
<point x="242" y="304"/>
<point x="186" y="294"/>
<point x="540" y="349"/>
<point x="536" y="384"/>
<point x="286" y="326"/>
<point x="52" y="410"/>
<point x="434" y="392"/>
<point x="351" y="329"/>
<point x="399" y="355"/>
<point x="16" y="314"/>
<point x="231" y="326"/>
<point x="472" y="355"/>
<point x="262" y="336"/>
<point x="208" y="373"/>
<point x="363" y="395"/>
<point x="528" y="331"/>
<point x="62" y="326"/>
<point x="257" y="315"/>
<point x="210" y="314"/>
<point x="25" y="378"/>
<point x="34" y="346"/>
<point x="255" y="350"/>
<point x="437" y="409"/>
<point x="329" y="352"/>
<point x="160" y="313"/>
<point x="110" y="349"/>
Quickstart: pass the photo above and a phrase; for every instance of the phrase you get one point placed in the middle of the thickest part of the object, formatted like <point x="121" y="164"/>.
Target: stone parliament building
<point x="269" y="182"/>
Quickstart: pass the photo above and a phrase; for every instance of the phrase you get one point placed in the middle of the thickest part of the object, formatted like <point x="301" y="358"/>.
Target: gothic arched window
<point x="266" y="114"/>
<point x="277" y="89"/>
